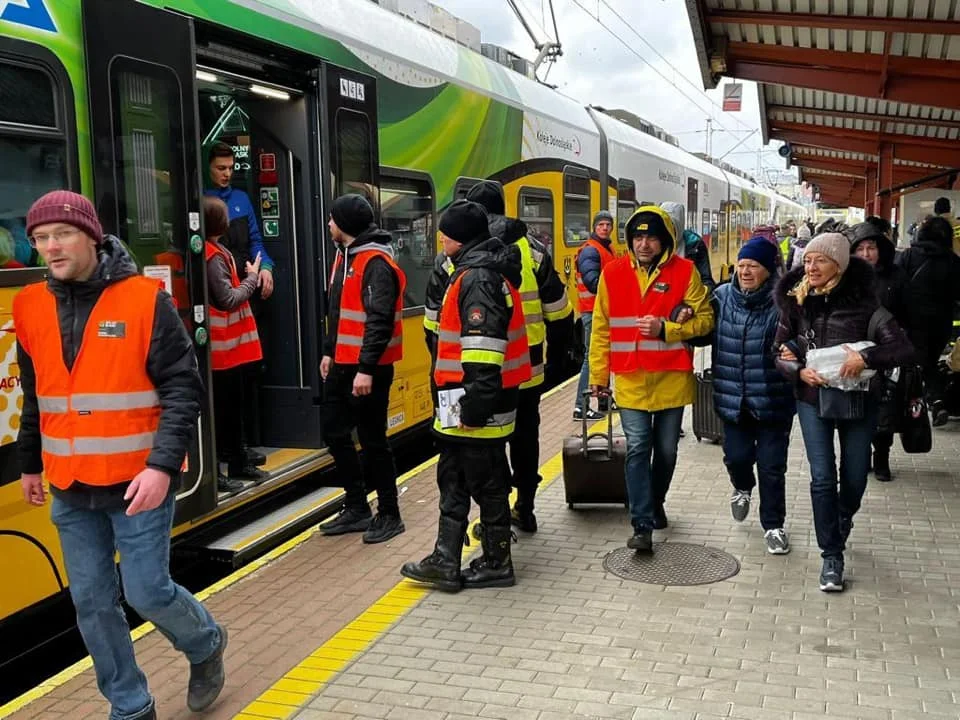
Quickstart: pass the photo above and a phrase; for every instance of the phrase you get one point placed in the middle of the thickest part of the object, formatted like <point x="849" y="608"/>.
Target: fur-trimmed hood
<point x="857" y="285"/>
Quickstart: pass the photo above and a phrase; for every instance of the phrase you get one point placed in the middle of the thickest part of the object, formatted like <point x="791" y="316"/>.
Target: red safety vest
<point x="353" y="318"/>
<point x="629" y="350"/>
<point x="99" y="419"/>
<point x="586" y="299"/>
<point x="233" y="335"/>
<point x="516" y="353"/>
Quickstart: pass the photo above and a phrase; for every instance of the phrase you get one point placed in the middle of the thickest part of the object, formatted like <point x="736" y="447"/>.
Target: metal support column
<point x="885" y="180"/>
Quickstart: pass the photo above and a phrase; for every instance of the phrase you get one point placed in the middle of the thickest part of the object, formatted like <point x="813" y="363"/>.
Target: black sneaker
<point x="591" y="414"/>
<point x="642" y="541"/>
<point x="228" y="485"/>
<point x="382" y="528"/>
<point x="248" y="472"/>
<point x="206" y="678"/>
<point x="255" y="457"/>
<point x="831" y="576"/>
<point x="348" y="521"/>
<point x="660" y="521"/>
<point x="940" y="417"/>
<point x="525" y="521"/>
<point x="740" y="505"/>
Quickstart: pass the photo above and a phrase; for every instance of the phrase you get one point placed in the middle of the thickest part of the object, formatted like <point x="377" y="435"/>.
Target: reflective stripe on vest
<point x="629" y="350"/>
<point x="453" y="349"/>
<point x="353" y="318"/>
<point x="98" y="421"/>
<point x="587" y="299"/>
<point x="234" y="339"/>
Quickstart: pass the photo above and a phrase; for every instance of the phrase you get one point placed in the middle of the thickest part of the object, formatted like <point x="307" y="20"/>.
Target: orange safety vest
<point x="353" y="318"/>
<point x="99" y="419"/>
<point x="448" y="371"/>
<point x="585" y="298"/>
<point x="233" y="335"/>
<point x="629" y="350"/>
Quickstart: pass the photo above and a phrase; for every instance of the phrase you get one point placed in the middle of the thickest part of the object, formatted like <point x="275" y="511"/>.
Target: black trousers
<point x="341" y="413"/>
<point x="229" y="394"/>
<point x="478" y="471"/>
<point x="525" y="449"/>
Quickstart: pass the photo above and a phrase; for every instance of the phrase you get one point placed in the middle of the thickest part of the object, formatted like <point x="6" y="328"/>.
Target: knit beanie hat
<point x="834" y="245"/>
<point x="69" y="208"/>
<point x="352" y="214"/>
<point x="803" y="232"/>
<point x="489" y="194"/>
<point x="601" y="216"/>
<point x="760" y="250"/>
<point x="466" y="222"/>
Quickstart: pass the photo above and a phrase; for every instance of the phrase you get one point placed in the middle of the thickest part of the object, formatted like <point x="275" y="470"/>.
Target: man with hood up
<point x="480" y="360"/>
<point x="941" y="208"/>
<point x="933" y="286"/>
<point x="636" y="339"/>
<point x="111" y="395"/>
<point x="548" y="314"/>
<point x="795" y="256"/>
<point x="364" y="339"/>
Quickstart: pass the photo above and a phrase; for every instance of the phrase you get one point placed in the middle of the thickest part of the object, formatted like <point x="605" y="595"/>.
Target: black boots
<point x="494" y="568"/>
<point x="881" y="464"/>
<point x="441" y="568"/>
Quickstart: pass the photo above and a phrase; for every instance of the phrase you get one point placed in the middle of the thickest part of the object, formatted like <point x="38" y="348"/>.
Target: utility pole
<point x="709" y="139"/>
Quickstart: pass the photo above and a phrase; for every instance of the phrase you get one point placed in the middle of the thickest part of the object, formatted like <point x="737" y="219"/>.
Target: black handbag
<point x="833" y="404"/>
<point x="916" y="435"/>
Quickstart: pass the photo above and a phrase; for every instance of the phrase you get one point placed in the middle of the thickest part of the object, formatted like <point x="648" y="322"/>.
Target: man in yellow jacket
<point x="636" y="337"/>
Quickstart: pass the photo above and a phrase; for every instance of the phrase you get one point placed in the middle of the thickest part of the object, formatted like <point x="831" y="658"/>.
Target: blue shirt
<point x="239" y="205"/>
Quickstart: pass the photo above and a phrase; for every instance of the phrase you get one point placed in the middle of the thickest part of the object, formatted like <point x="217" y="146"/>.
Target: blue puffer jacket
<point x="744" y="373"/>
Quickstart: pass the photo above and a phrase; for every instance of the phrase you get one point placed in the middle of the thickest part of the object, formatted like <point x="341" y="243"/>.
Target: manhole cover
<point x="672" y="564"/>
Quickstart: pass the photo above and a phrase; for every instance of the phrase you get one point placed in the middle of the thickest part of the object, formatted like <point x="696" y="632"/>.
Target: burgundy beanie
<point x="69" y="208"/>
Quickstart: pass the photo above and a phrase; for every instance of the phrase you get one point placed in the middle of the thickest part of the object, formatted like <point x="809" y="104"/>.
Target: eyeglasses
<point x="62" y="237"/>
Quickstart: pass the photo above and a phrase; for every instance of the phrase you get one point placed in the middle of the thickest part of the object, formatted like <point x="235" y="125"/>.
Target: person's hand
<point x="812" y="378"/>
<point x="266" y="283"/>
<point x="32" y="486"/>
<point x="685" y="314"/>
<point x="325" y="362"/>
<point x="253" y="268"/>
<point x="853" y="365"/>
<point x="362" y="384"/>
<point x="650" y="325"/>
<point x="148" y="490"/>
<point x="787" y="354"/>
<point x="599" y="390"/>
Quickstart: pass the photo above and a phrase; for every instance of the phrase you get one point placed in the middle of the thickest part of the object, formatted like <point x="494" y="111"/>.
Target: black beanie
<point x="649" y="223"/>
<point x="941" y="206"/>
<point x="466" y="222"/>
<point x="489" y="194"/>
<point x="352" y="214"/>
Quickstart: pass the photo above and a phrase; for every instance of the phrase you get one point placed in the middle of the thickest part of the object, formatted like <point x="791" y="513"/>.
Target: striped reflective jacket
<point x="233" y="335"/>
<point x="352" y="320"/>
<point x="98" y="421"/>
<point x="587" y="298"/>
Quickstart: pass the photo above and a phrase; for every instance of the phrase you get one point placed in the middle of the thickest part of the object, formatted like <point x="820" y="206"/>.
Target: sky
<point x="624" y="72"/>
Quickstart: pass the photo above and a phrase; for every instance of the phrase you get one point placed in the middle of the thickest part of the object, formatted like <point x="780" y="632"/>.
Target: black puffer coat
<point x="841" y="317"/>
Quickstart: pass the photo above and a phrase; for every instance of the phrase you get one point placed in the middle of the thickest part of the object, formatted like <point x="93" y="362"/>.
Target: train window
<point x="535" y="208"/>
<point x="724" y="217"/>
<point x="354" y="159"/>
<point x="626" y="203"/>
<point x="576" y="206"/>
<point x="407" y="210"/>
<point x="464" y="185"/>
<point x="33" y="152"/>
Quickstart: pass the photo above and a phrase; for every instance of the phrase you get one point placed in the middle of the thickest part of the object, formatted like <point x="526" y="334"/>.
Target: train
<point x="121" y="99"/>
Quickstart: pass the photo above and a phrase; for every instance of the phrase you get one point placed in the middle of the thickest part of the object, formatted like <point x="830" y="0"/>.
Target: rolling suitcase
<point x="593" y="467"/>
<point x="706" y="423"/>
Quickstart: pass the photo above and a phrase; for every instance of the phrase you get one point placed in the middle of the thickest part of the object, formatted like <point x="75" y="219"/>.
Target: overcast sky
<point x="599" y="69"/>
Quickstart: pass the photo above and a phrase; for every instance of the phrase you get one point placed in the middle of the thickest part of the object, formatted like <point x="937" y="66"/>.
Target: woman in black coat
<point x="869" y="243"/>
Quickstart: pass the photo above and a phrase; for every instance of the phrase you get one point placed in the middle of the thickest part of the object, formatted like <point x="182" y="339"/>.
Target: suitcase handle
<point x="583" y="446"/>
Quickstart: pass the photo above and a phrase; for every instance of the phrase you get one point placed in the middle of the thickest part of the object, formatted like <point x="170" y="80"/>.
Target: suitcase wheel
<point x="570" y="505"/>
<point x="699" y="438"/>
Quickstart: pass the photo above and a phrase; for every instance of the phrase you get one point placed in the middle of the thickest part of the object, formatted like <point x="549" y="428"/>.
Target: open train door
<point x="143" y="120"/>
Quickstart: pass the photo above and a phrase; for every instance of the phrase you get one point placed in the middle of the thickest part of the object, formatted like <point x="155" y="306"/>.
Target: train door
<point x="693" y="203"/>
<point x="140" y="73"/>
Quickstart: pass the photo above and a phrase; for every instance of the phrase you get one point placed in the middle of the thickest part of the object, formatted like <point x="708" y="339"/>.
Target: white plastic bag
<point x="827" y="361"/>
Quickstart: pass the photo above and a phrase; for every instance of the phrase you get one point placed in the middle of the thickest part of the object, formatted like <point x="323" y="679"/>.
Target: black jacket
<point x="484" y="313"/>
<point x="932" y="277"/>
<point x="379" y="297"/>
<point x="171" y="365"/>
<point x="841" y="317"/>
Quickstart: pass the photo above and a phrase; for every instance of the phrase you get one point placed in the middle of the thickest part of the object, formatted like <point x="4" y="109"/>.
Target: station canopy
<point x="865" y="93"/>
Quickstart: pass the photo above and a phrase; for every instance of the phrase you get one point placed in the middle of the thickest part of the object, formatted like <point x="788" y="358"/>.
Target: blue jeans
<point x="587" y="319"/>
<point x="89" y="539"/>
<point x="748" y="443"/>
<point x="830" y="504"/>
<point x="649" y="434"/>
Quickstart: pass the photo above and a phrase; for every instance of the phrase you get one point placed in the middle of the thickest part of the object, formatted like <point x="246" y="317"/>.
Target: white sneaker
<point x="740" y="505"/>
<point x="777" y="541"/>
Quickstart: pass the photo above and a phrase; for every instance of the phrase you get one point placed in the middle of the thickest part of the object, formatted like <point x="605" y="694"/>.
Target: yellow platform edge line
<point x="67" y="674"/>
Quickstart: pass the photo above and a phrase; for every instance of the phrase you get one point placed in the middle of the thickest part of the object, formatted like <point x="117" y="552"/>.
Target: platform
<point x="324" y="629"/>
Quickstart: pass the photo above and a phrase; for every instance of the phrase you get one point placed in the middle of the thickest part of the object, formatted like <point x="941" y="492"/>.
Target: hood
<point x="115" y="263"/>
<point x="678" y="214"/>
<point x="644" y="213"/>
<point x="869" y="231"/>
<point x="492" y="255"/>
<point x="858" y="284"/>
<point x="374" y="235"/>
<point x="935" y="236"/>
<point x="509" y="230"/>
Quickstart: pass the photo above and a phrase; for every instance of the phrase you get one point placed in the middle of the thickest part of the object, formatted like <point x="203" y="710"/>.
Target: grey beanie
<point x="834" y="245"/>
<point x="603" y="215"/>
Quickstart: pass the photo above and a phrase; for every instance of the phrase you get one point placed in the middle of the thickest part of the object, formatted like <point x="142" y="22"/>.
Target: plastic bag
<point x="827" y="361"/>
